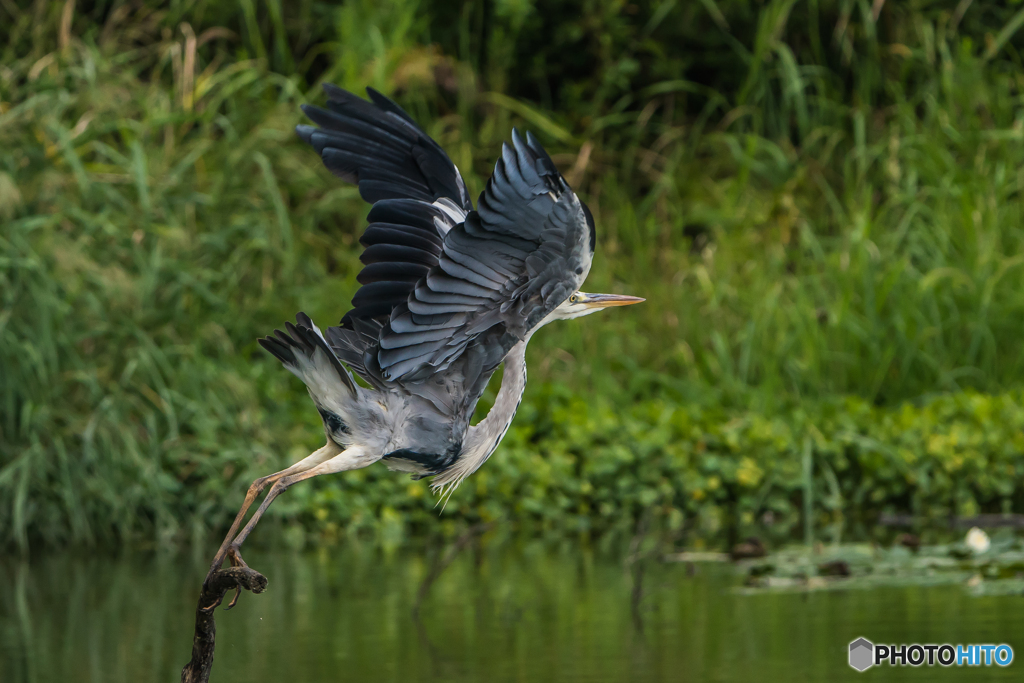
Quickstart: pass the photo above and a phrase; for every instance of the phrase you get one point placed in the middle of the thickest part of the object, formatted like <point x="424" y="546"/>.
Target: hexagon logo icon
<point x="862" y="653"/>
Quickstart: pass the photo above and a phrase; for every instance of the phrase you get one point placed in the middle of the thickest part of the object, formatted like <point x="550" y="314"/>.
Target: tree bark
<point x="223" y="580"/>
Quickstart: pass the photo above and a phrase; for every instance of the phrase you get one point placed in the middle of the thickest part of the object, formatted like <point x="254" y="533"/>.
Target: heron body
<point x="449" y="293"/>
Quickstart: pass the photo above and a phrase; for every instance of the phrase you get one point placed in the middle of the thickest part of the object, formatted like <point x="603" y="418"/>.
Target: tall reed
<point x="815" y="200"/>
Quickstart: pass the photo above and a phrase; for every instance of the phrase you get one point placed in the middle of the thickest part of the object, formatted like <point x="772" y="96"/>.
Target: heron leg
<point x="326" y="453"/>
<point x="351" y="459"/>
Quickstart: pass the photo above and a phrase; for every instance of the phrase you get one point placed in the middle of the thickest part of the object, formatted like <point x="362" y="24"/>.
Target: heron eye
<point x="573" y="299"/>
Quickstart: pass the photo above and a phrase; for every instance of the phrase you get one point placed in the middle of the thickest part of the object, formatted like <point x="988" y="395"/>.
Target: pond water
<point x="525" y="614"/>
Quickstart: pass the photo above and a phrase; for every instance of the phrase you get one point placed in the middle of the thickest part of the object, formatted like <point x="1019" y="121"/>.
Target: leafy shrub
<point x="574" y="465"/>
<point x="804" y="225"/>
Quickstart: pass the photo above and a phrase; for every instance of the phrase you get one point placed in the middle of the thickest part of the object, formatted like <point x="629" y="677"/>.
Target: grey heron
<point x="448" y="293"/>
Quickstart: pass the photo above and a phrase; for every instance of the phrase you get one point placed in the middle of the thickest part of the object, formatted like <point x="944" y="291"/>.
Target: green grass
<point x="804" y="225"/>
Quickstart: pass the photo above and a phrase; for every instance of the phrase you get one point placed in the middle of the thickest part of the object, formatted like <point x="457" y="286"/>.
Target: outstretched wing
<point x="500" y="272"/>
<point x="377" y="146"/>
<point x="416" y="191"/>
<point x="444" y="284"/>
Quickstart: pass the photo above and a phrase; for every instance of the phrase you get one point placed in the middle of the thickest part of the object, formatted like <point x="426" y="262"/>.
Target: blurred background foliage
<point x="820" y="199"/>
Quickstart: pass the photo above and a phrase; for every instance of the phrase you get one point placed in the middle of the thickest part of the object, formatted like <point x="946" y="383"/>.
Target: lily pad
<point x="997" y="571"/>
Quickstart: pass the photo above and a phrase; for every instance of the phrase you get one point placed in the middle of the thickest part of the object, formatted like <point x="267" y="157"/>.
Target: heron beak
<point x="608" y="300"/>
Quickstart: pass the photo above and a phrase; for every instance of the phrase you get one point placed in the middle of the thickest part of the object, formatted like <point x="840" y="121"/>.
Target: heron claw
<point x="235" y="556"/>
<point x="238" y="591"/>
<point x="210" y="608"/>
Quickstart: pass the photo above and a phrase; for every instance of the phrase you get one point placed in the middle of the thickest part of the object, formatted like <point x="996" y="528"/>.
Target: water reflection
<point x="509" y="614"/>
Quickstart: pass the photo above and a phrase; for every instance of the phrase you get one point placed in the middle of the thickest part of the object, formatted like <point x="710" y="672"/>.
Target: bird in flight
<point x="448" y="294"/>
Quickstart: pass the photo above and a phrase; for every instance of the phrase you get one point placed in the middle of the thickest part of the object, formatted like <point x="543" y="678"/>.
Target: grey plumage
<point x="448" y="293"/>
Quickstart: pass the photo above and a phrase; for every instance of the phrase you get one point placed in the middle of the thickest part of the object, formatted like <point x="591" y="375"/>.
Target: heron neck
<point x="482" y="439"/>
<point x="492" y="428"/>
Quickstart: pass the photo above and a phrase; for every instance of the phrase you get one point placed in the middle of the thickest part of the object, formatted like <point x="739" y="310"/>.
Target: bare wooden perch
<point x="223" y="580"/>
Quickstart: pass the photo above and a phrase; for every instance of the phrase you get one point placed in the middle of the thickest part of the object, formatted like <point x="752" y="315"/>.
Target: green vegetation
<point x="577" y="466"/>
<point x="821" y="205"/>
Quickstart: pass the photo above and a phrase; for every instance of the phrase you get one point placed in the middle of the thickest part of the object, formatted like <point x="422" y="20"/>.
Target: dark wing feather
<point x="353" y="345"/>
<point x="404" y="240"/>
<point x="416" y="191"/>
<point x="443" y="284"/>
<point x="377" y="146"/>
<point x="508" y="265"/>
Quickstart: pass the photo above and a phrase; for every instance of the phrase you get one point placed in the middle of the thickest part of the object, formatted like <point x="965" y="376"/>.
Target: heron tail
<point x="306" y="354"/>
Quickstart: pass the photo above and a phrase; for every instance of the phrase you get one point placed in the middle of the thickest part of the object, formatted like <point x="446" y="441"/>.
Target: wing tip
<point x="338" y="94"/>
<point x="517" y="139"/>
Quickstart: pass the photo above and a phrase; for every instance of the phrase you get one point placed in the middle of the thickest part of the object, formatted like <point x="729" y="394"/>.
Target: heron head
<point x="581" y="304"/>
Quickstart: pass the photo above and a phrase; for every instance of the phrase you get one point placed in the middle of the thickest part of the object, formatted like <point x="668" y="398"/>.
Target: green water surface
<point x="524" y="614"/>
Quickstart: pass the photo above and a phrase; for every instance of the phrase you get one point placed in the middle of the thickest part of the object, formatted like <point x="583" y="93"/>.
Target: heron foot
<point x="235" y="555"/>
<point x="236" y="577"/>
<point x="210" y="608"/>
<point x="238" y="591"/>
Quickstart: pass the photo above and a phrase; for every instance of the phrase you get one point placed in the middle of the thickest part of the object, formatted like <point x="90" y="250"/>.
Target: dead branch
<point x="223" y="580"/>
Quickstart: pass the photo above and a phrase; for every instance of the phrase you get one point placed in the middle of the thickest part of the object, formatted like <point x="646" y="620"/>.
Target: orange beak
<point x="608" y="300"/>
